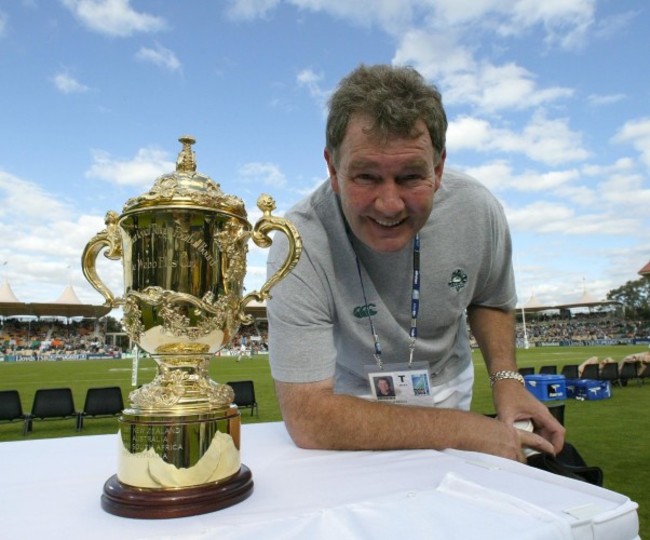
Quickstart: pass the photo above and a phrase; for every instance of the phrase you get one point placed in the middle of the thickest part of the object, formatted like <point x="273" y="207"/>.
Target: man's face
<point x="386" y="188"/>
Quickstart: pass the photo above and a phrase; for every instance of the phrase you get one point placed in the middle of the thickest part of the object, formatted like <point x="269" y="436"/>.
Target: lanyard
<point x="415" y="306"/>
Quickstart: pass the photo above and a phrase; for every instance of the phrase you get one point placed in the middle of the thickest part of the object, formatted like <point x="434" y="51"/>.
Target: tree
<point x="113" y="325"/>
<point x="635" y="296"/>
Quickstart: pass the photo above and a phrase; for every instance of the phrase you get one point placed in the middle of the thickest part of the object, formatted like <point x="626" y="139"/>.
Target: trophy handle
<point x="260" y="236"/>
<point x="108" y="238"/>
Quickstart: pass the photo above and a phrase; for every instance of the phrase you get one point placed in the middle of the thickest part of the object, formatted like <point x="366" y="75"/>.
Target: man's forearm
<point x="323" y="420"/>
<point x="494" y="330"/>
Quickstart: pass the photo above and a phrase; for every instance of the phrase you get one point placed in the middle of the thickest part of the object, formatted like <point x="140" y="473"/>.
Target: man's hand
<point x="514" y="402"/>
<point x="494" y="331"/>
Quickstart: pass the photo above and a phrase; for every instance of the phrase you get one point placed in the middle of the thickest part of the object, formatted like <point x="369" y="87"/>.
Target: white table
<point x="51" y="489"/>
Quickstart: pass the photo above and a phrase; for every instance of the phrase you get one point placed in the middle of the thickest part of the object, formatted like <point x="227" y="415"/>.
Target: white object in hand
<point x="526" y="425"/>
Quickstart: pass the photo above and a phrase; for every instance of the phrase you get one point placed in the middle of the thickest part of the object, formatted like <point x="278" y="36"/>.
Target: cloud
<point x="580" y="195"/>
<point x="540" y="216"/>
<point x="436" y="40"/>
<point x="610" y="26"/>
<point x="43" y="238"/>
<point x="43" y="256"/>
<point x="159" y="56"/>
<point x="267" y="173"/>
<point x="308" y="189"/>
<point x="436" y="55"/>
<point x="620" y="165"/>
<point x="68" y="85"/>
<point x="393" y="16"/>
<point x="311" y="80"/>
<point x="627" y="190"/>
<point x="565" y="22"/>
<point x="546" y="217"/>
<point x="498" y="175"/>
<point x="113" y="17"/>
<point x="548" y="141"/>
<point x="469" y="132"/>
<point x="3" y="23"/>
<point x="597" y="100"/>
<point x="16" y="205"/>
<point x="147" y="165"/>
<point x="510" y="86"/>
<point x="446" y="13"/>
<point x="250" y="9"/>
<point x="464" y="80"/>
<point x="637" y="133"/>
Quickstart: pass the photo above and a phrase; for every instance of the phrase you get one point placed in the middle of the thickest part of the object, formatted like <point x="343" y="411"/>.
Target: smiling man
<point x="399" y="255"/>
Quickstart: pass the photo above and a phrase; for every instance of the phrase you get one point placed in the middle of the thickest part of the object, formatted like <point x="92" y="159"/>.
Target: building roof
<point x="67" y="305"/>
<point x="6" y="294"/>
<point x="587" y="300"/>
<point x="645" y="271"/>
<point x="68" y="296"/>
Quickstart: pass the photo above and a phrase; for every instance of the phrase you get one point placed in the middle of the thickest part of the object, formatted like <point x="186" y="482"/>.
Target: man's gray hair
<point x="394" y="98"/>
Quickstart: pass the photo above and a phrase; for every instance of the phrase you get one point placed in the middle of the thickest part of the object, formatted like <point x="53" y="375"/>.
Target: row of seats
<point x="58" y="403"/>
<point x="608" y="371"/>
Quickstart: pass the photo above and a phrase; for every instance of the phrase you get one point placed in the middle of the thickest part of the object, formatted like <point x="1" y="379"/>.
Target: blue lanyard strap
<point x="415" y="305"/>
<point x="415" y="297"/>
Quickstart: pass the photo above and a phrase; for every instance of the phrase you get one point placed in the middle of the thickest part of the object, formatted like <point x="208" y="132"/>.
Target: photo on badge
<point x="383" y="387"/>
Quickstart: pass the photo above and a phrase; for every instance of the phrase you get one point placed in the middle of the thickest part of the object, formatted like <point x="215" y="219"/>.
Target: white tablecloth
<point x="51" y="489"/>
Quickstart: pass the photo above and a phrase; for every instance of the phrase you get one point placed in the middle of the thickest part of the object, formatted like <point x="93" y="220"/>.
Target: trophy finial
<point x="186" y="161"/>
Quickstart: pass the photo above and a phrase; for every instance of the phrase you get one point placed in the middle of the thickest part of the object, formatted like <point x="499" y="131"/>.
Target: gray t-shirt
<point x="318" y="325"/>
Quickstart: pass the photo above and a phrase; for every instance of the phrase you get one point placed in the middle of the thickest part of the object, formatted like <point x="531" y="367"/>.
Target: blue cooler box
<point x="547" y="387"/>
<point x="588" y="389"/>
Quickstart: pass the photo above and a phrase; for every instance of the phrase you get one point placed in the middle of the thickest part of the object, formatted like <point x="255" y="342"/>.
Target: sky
<point x="548" y="105"/>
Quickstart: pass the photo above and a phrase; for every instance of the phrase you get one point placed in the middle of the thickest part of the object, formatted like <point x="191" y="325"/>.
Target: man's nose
<point x="389" y="199"/>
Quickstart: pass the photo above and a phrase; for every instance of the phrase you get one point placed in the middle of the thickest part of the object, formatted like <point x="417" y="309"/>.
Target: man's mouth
<point x="389" y="224"/>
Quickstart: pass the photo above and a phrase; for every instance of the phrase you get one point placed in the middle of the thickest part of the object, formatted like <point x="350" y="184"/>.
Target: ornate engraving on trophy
<point x="183" y="247"/>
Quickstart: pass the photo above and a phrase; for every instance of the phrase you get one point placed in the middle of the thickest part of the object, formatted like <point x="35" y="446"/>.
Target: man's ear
<point x="439" y="168"/>
<point x="331" y="169"/>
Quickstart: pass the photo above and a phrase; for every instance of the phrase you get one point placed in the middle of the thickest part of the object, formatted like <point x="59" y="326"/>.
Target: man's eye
<point x="365" y="178"/>
<point x="410" y="179"/>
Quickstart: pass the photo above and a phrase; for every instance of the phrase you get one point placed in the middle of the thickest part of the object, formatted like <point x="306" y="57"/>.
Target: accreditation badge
<point x="401" y="383"/>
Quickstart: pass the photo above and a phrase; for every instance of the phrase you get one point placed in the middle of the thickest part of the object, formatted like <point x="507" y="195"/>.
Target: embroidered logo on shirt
<point x="361" y="312"/>
<point x="458" y="279"/>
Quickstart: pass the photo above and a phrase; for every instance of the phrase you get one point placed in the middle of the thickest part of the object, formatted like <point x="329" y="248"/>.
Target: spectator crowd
<point x="53" y="339"/>
<point x="56" y="339"/>
<point x="582" y="327"/>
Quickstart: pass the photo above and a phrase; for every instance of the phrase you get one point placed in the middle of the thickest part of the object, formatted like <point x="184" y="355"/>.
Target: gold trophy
<point x="183" y="247"/>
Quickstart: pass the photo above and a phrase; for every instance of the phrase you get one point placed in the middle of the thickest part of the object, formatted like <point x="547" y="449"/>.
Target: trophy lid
<point x="186" y="188"/>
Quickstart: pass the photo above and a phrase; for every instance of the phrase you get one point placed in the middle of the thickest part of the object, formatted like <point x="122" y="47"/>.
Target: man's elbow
<point x="303" y="435"/>
<point x="305" y="441"/>
<point x="303" y="408"/>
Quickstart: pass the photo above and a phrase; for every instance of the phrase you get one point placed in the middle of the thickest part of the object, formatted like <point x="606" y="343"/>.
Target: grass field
<point x="613" y="434"/>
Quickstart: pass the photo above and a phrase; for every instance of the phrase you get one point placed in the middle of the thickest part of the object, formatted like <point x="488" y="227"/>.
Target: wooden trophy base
<point x="146" y="503"/>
